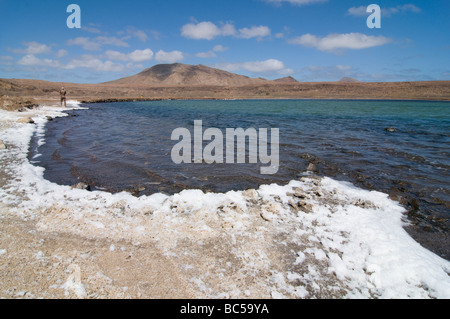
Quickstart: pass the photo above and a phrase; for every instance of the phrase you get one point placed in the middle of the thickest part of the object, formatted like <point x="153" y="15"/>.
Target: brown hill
<point x="186" y="75"/>
<point x="288" y="79"/>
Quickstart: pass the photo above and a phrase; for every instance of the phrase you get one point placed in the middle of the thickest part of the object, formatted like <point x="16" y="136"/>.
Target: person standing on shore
<point x="63" y="96"/>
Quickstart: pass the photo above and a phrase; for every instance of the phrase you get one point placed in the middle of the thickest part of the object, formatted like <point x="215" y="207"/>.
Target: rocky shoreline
<point x="10" y="103"/>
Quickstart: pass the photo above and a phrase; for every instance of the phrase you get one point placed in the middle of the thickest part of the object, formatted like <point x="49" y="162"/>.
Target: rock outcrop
<point x="10" y="103"/>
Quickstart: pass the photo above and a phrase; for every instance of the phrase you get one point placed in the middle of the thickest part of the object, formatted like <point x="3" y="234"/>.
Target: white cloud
<point x="93" y="63"/>
<point x="201" y="31"/>
<point x="96" y="43"/>
<point x="141" y="35"/>
<point x="358" y="11"/>
<point x="209" y="31"/>
<point x="111" y="41"/>
<point x="6" y="60"/>
<point x="344" y="67"/>
<point x="206" y="55"/>
<point x="61" y="53"/>
<point x="31" y="60"/>
<point x="386" y="12"/>
<point x="34" y="48"/>
<point x="296" y="2"/>
<point x="212" y="53"/>
<point x="105" y="63"/>
<point x="169" y="57"/>
<point x="135" y="66"/>
<point x="109" y="66"/>
<point x="268" y="66"/>
<point x="134" y="32"/>
<point x="141" y="55"/>
<point x="334" y="42"/>
<point x="220" y="48"/>
<point x="86" y="43"/>
<point x="135" y="56"/>
<point x="91" y="29"/>
<point x="116" y="55"/>
<point x="264" y="66"/>
<point x="155" y="34"/>
<point x="254" y="32"/>
<point x="228" y="30"/>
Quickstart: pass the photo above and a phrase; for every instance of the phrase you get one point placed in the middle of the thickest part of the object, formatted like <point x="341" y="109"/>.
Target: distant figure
<point x="63" y="96"/>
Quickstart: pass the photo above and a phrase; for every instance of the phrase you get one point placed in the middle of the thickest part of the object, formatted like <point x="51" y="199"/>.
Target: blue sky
<point x="311" y="40"/>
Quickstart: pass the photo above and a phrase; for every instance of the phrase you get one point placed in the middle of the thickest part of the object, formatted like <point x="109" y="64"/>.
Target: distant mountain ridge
<point x="288" y="79"/>
<point x="188" y="75"/>
<point x="180" y="81"/>
<point x="349" y="80"/>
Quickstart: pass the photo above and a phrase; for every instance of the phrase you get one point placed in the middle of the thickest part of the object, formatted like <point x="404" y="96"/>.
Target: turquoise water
<point x="127" y="146"/>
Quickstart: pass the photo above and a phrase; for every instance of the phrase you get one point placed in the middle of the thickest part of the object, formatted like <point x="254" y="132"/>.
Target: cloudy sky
<point x="311" y="40"/>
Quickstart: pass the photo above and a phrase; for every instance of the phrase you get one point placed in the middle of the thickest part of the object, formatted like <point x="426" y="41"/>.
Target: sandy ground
<point x="39" y="264"/>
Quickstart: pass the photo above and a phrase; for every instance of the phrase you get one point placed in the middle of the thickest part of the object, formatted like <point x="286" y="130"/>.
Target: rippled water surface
<point x="127" y="146"/>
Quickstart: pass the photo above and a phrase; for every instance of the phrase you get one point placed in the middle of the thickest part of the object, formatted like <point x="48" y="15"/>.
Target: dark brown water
<point x="127" y="146"/>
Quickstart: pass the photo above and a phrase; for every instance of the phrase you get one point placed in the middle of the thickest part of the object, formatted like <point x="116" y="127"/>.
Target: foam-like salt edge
<point x="311" y="238"/>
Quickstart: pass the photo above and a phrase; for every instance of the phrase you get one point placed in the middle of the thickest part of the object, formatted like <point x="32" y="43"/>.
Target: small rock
<point x="293" y="204"/>
<point x="268" y="217"/>
<point x="81" y="186"/>
<point x="312" y="168"/>
<point x="305" y="207"/>
<point x="273" y="208"/>
<point x="270" y="211"/>
<point x="25" y="120"/>
<point x="300" y="193"/>
<point x="390" y="129"/>
<point x="20" y="294"/>
<point x="251" y="195"/>
<point x="49" y="118"/>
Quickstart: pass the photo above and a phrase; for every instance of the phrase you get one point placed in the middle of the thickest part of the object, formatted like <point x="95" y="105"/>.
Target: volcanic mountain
<point x="187" y="75"/>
